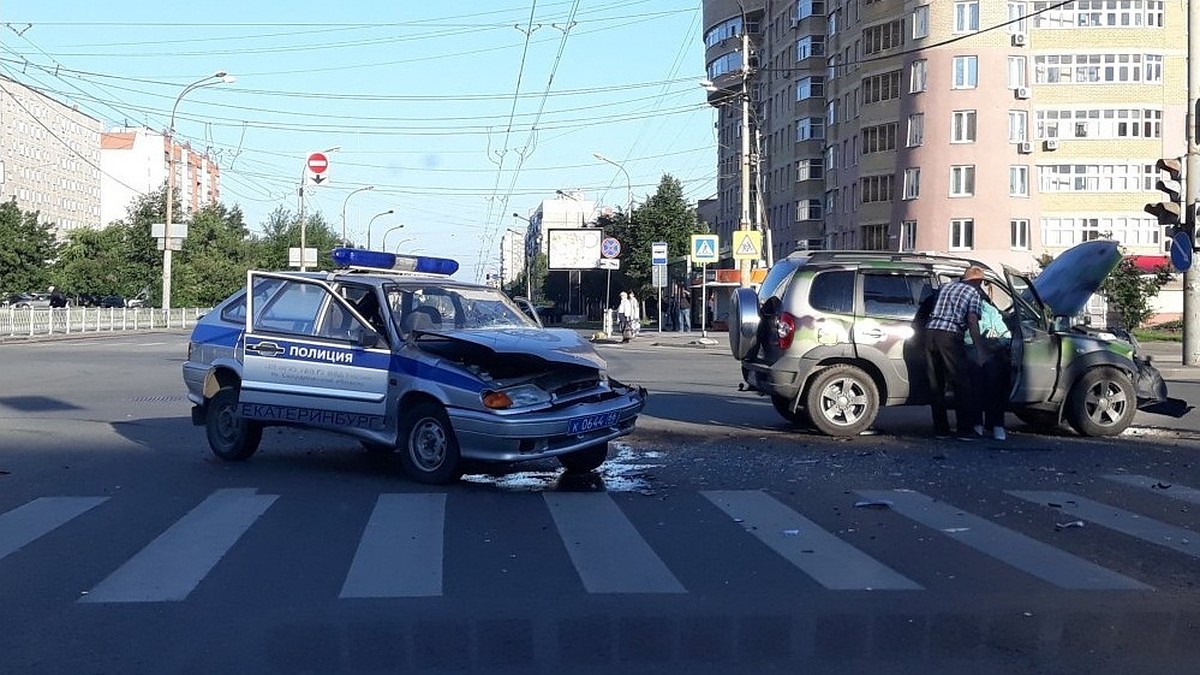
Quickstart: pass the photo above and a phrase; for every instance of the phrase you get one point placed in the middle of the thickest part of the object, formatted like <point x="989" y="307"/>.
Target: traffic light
<point x="1170" y="210"/>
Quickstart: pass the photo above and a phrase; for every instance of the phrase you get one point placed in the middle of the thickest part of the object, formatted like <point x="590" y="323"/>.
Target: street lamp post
<point x="372" y="222"/>
<point x="344" y="201"/>
<point x="216" y="78"/>
<point x="528" y="258"/>
<point x="628" y="184"/>
<point x="303" y="220"/>
<point x="383" y="246"/>
<point x="401" y="242"/>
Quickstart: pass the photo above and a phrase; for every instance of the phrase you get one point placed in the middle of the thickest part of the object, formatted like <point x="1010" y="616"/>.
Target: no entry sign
<point x="317" y="165"/>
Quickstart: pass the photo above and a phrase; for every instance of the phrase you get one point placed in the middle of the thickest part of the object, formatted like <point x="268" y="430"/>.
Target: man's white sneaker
<point x="998" y="434"/>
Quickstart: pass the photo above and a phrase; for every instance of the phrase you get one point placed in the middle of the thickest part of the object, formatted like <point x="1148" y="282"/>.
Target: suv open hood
<point x="1071" y="278"/>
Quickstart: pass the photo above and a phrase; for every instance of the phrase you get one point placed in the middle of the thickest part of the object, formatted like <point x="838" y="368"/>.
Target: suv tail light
<point x="785" y="329"/>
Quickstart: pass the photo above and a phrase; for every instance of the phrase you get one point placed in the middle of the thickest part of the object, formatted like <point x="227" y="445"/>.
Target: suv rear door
<point x="884" y="333"/>
<point x="309" y="357"/>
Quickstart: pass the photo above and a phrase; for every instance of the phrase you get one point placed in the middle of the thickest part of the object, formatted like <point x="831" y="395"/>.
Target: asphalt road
<point x="717" y="539"/>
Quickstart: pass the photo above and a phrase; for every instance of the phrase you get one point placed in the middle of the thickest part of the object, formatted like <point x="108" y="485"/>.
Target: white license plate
<point x="582" y="425"/>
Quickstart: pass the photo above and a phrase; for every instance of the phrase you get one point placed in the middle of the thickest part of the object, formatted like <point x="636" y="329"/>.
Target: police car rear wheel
<point x="429" y="452"/>
<point x="587" y="459"/>
<point x="231" y="437"/>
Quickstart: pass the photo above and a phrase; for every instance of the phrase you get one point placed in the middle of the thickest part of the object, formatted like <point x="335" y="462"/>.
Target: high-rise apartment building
<point x="995" y="129"/>
<point x="49" y="158"/>
<point x="135" y="164"/>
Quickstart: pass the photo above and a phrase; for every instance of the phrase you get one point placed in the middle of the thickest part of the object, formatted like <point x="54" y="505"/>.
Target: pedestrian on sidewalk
<point x="685" y="310"/>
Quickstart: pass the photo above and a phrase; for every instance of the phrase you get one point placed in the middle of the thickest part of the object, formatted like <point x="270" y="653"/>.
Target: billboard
<point x="574" y="249"/>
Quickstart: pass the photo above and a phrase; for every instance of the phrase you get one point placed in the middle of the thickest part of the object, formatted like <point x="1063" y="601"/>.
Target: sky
<point x="458" y="113"/>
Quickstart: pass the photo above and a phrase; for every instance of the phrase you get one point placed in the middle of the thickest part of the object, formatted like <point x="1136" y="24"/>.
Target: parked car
<point x="392" y="351"/>
<point x="28" y="300"/>
<point x="829" y="337"/>
<point x="109" y="301"/>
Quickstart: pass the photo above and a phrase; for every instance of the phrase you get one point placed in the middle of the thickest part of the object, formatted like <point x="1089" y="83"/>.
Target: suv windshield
<point x="455" y="308"/>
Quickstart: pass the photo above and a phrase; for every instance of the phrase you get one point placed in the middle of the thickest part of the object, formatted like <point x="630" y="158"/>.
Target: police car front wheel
<point x="231" y="436"/>
<point x="428" y="447"/>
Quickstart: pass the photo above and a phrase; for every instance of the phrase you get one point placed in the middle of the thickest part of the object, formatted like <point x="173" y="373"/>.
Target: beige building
<point x="49" y="158"/>
<point x="996" y="129"/>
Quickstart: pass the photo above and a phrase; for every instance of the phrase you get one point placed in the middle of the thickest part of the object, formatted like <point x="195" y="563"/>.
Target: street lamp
<point x="372" y="222"/>
<point x="383" y="246"/>
<point x="401" y="242"/>
<point x="216" y="78"/>
<point x="628" y="184"/>
<point x="303" y="220"/>
<point x="528" y="264"/>
<point x="352" y="193"/>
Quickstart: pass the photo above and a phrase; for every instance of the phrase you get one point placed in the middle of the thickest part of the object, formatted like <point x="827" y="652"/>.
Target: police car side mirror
<point x="362" y="337"/>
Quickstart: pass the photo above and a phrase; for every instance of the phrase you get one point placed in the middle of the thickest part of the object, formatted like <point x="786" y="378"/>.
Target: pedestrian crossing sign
<point x="704" y="248"/>
<point x="747" y="245"/>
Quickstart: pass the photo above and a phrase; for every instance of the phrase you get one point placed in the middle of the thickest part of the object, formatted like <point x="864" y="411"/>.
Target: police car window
<point x="833" y="292"/>
<point x="263" y="289"/>
<point x="438" y="308"/>
<point x="893" y="296"/>
<point x="294" y="309"/>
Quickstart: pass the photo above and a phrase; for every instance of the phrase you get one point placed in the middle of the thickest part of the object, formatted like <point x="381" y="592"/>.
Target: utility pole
<point x="1191" y="277"/>
<point x="744" y="221"/>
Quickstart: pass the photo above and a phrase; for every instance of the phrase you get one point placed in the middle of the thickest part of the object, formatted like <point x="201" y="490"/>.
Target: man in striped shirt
<point x="956" y="310"/>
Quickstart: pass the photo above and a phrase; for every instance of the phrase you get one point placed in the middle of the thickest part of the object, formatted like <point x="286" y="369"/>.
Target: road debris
<point x="1063" y="526"/>
<point x="873" y="504"/>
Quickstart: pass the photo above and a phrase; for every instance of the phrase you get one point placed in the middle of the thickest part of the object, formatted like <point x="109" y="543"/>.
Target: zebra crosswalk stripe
<point x="1153" y="531"/>
<point x="830" y="561"/>
<point x="608" y="552"/>
<point x="401" y="551"/>
<point x="1180" y="492"/>
<point x="1013" y="548"/>
<point x="172" y="565"/>
<point x="30" y="521"/>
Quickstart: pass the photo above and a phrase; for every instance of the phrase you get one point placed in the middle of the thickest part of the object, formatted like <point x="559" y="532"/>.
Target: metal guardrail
<point x="43" y="321"/>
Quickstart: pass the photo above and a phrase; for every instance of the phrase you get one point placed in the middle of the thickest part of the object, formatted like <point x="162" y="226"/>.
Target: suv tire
<point x="587" y="459"/>
<point x="428" y="446"/>
<point x="842" y="400"/>
<point x="1101" y="403"/>
<point x="230" y="436"/>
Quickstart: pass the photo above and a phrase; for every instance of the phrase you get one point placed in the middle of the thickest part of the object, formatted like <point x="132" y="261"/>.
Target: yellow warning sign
<point x="747" y="244"/>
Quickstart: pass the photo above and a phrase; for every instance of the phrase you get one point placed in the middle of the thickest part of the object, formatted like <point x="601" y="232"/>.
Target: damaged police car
<point x="392" y="351"/>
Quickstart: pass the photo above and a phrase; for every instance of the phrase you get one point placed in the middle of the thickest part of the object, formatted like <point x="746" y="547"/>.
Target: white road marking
<point x="401" y="551"/>
<point x="39" y="517"/>
<point x="821" y="555"/>
<point x="1180" y="492"/>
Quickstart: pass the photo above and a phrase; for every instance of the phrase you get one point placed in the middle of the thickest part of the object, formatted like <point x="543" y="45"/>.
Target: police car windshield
<point x="450" y="308"/>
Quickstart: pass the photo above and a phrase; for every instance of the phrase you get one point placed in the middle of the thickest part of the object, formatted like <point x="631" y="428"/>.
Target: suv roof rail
<point x="890" y="256"/>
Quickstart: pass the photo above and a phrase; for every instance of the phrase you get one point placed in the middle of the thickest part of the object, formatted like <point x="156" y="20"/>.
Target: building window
<point x="962" y="180"/>
<point x="810" y="46"/>
<point x="916" y="129"/>
<point x="1098" y="68"/>
<point x="962" y="126"/>
<point x="883" y="37"/>
<point x="962" y="234"/>
<point x="918" y="76"/>
<point x="877" y="189"/>
<point x="880" y="138"/>
<point x="812" y="86"/>
<point x="1099" y="14"/>
<point x="920" y="22"/>
<point x="884" y="87"/>
<point x="831" y="158"/>
<point x="1018" y="234"/>
<point x="908" y="235"/>
<point x="912" y="183"/>
<point x="1099" y="123"/>
<point x="1017" y="13"/>
<point x="1096" y="177"/>
<point x="966" y="16"/>
<point x="809" y="209"/>
<point x="1130" y="231"/>
<point x="1018" y="181"/>
<point x="810" y="128"/>
<point x="807" y="8"/>
<point x="1018" y="126"/>
<point x="831" y="112"/>
<point x="1016" y="72"/>
<point x="809" y="169"/>
<point x="874" y="237"/>
<point x="966" y="72"/>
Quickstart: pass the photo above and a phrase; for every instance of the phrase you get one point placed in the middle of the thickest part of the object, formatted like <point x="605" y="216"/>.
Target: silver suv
<point x="392" y="351"/>
<point x="830" y="337"/>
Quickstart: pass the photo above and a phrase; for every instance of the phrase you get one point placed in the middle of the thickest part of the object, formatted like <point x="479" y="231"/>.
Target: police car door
<point x="310" y="358"/>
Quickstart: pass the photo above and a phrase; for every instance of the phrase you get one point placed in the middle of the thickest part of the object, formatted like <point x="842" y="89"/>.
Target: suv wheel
<point x="783" y="406"/>
<point x="231" y="437"/>
<point x="428" y="447"/>
<point x="1101" y="403"/>
<point x="587" y="459"/>
<point x="842" y="400"/>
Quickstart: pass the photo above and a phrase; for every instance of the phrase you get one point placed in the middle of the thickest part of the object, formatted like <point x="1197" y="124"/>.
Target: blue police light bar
<point x="382" y="260"/>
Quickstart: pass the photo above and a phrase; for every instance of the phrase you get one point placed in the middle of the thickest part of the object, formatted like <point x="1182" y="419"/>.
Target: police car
<point x="390" y="350"/>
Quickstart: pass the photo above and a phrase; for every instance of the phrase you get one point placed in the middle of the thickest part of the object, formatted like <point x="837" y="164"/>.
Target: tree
<point x="215" y="257"/>
<point x="282" y="231"/>
<point x="1128" y="291"/>
<point x="666" y="216"/>
<point x="27" y="248"/>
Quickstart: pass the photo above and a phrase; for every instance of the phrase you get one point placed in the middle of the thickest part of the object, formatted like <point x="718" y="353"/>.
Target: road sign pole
<point x="703" y="300"/>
